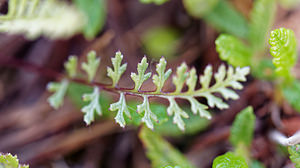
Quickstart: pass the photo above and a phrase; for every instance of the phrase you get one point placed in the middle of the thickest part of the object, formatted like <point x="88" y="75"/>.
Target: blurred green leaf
<point x="161" y="41"/>
<point x="229" y="160"/>
<point x="198" y="8"/>
<point x="291" y="94"/>
<point x="294" y="152"/>
<point x="160" y="152"/>
<point x="243" y="128"/>
<point x="289" y="4"/>
<point x="261" y="20"/>
<point x="95" y="12"/>
<point x="284" y="50"/>
<point x="264" y="70"/>
<point x="256" y="164"/>
<point x="157" y="2"/>
<point x="59" y="88"/>
<point x="233" y="50"/>
<point x="227" y="19"/>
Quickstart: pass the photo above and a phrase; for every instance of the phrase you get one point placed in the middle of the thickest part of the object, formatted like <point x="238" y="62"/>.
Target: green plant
<point x="224" y="79"/>
<point x="49" y="17"/>
<point x="10" y="161"/>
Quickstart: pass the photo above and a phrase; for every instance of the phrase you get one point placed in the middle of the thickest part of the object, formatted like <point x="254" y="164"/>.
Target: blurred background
<point x="44" y="137"/>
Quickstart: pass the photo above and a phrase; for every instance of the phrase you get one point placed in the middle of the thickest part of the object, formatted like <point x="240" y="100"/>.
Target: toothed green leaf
<point x="33" y="18"/>
<point x="56" y="100"/>
<point x="294" y="152"/>
<point x="93" y="107"/>
<point x="122" y="108"/>
<point x="71" y="66"/>
<point x="160" y="152"/>
<point x="178" y="113"/>
<point x="91" y="66"/>
<point x="229" y="160"/>
<point x="233" y="50"/>
<point x="243" y="128"/>
<point x="116" y="74"/>
<point x="197" y="107"/>
<point x="157" y="2"/>
<point x="148" y="114"/>
<point x="284" y="50"/>
<point x="9" y="161"/>
<point x="141" y="77"/>
<point x="261" y="19"/>
<point x="95" y="12"/>
<point x="180" y="78"/>
<point x="160" y="78"/>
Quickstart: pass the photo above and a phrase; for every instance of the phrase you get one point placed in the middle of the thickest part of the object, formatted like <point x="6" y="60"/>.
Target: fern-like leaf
<point x="122" y="108"/>
<point x="93" y="107"/>
<point x="160" y="78"/>
<point x="119" y="69"/>
<point x="71" y="66"/>
<point x="148" y="114"/>
<point x="141" y="77"/>
<point x="284" y="50"/>
<point x="180" y="78"/>
<point x="59" y="89"/>
<point x="90" y="67"/>
<point x="10" y="161"/>
<point x="52" y="18"/>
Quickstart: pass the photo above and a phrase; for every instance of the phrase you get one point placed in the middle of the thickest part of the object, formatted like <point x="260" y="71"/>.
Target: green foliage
<point x="223" y="80"/>
<point x="295" y="154"/>
<point x="122" y="108"/>
<point x="261" y="20"/>
<point x="59" y="89"/>
<point x="93" y="107"/>
<point x="198" y="8"/>
<point x="157" y="2"/>
<point x="291" y="94"/>
<point x="141" y="77"/>
<point x="160" y="78"/>
<point x="95" y="12"/>
<point x="116" y="74"/>
<point x="233" y="50"/>
<point x="284" y="50"/>
<point x="289" y="3"/>
<point x="243" y="128"/>
<point x="227" y="19"/>
<point x="229" y="160"/>
<point x="9" y="161"/>
<point x="160" y="152"/>
<point x="51" y="18"/>
<point x="90" y="67"/>
<point x="71" y="66"/>
<point x="256" y="164"/>
<point x="161" y="40"/>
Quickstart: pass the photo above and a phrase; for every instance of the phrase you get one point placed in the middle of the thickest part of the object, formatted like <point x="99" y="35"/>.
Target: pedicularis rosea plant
<point x="224" y="80"/>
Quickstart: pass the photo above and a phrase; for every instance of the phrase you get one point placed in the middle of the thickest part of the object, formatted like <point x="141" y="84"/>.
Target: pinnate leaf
<point x="122" y="108"/>
<point x="284" y="50"/>
<point x="91" y="66"/>
<point x="160" y="78"/>
<point x="148" y="114"/>
<point x="141" y="77"/>
<point x="119" y="69"/>
<point x="59" y="89"/>
<point x="93" y="107"/>
<point x="178" y="113"/>
<point x="243" y="128"/>
<point x="180" y="78"/>
<point x="229" y="160"/>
